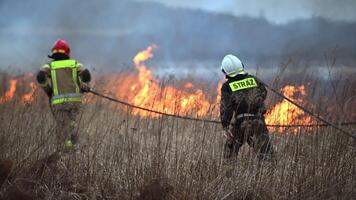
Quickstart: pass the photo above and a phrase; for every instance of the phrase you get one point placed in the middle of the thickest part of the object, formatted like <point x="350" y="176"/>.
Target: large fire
<point x="144" y="90"/>
<point x="150" y="94"/>
<point x="285" y="113"/>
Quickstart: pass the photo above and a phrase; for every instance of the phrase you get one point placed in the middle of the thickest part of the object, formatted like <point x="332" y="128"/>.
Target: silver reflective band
<point x="245" y="115"/>
<point x="70" y="95"/>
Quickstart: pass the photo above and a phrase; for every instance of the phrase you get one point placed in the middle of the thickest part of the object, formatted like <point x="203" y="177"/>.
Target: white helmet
<point x="232" y="66"/>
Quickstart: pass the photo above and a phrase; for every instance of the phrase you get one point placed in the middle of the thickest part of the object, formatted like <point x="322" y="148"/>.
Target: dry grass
<point x="125" y="157"/>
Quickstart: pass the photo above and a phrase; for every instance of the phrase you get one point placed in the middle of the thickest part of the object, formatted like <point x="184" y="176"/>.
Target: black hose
<point x="326" y="123"/>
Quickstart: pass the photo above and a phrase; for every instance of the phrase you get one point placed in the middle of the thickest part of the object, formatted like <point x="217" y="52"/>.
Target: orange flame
<point x="9" y="94"/>
<point x="144" y="55"/>
<point x="145" y="91"/>
<point x="285" y="113"/>
<point x="28" y="98"/>
<point x="149" y="94"/>
<point x="188" y="85"/>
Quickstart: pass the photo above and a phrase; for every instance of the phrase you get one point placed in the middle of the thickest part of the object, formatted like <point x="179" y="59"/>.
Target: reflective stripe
<point x="233" y="74"/>
<point x="46" y="66"/>
<point x="59" y="64"/>
<point x="75" y="79"/>
<point x="70" y="95"/>
<point x="43" y="84"/>
<point x="54" y="82"/>
<point x="245" y="115"/>
<point x="58" y="51"/>
<point x="79" y="65"/>
<point x="243" y="84"/>
<point x="63" y="100"/>
<point x="62" y="64"/>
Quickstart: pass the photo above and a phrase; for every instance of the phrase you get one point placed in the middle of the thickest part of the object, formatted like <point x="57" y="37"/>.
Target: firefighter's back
<point x="65" y="82"/>
<point x="248" y="94"/>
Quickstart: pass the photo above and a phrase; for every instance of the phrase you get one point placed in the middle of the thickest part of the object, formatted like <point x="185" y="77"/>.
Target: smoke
<point x="275" y="11"/>
<point x="341" y="10"/>
<point x="94" y="30"/>
<point x="106" y="34"/>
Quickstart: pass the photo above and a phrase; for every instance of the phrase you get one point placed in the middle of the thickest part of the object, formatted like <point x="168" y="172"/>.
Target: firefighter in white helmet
<point x="243" y="96"/>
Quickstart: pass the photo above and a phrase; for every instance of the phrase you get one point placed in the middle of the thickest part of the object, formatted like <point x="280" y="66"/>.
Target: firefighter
<point x="64" y="80"/>
<point x="242" y="98"/>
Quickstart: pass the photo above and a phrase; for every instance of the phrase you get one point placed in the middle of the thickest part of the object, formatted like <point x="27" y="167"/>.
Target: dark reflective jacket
<point x="241" y="94"/>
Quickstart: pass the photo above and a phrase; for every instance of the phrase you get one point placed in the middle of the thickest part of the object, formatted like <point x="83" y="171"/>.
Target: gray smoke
<point x="275" y="11"/>
<point x="106" y="34"/>
<point x="342" y="10"/>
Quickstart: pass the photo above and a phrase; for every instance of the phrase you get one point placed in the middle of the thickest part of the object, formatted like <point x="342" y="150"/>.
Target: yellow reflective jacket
<point x="62" y="81"/>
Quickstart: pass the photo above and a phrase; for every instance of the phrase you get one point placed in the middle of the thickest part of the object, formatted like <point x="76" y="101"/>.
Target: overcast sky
<point x="276" y="11"/>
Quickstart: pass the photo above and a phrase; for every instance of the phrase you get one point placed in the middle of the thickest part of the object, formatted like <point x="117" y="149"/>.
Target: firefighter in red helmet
<point x="60" y="47"/>
<point x="64" y="80"/>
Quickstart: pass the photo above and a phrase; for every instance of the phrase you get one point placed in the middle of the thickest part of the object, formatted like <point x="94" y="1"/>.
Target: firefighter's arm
<point x="226" y="107"/>
<point x="263" y="91"/>
<point x="84" y="78"/>
<point x="262" y="88"/>
<point x="261" y="97"/>
<point x="43" y="79"/>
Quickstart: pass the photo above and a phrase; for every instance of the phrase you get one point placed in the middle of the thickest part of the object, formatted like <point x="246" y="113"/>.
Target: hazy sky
<point x="276" y="11"/>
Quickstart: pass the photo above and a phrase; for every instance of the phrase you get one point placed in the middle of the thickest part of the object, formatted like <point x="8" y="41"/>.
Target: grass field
<point x="126" y="157"/>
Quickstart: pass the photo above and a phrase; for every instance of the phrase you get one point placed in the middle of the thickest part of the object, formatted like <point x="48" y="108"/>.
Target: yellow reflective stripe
<point x="54" y="82"/>
<point x="69" y="95"/>
<point x="58" y="51"/>
<point x="43" y="84"/>
<point x="59" y="64"/>
<point x="63" y="100"/>
<point x="243" y="84"/>
<point x="79" y="65"/>
<point x="75" y="79"/>
<point x="46" y="66"/>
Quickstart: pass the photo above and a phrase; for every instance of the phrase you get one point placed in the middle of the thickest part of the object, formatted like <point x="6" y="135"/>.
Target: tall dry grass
<point x="125" y="157"/>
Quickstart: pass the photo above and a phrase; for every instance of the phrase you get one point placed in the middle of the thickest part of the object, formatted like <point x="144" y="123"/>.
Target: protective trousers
<point x="66" y="116"/>
<point x="254" y="132"/>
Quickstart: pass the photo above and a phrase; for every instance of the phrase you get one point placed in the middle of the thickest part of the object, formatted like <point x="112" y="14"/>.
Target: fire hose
<point x="326" y="123"/>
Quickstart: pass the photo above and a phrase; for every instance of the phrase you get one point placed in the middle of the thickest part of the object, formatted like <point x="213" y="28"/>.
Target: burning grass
<point x="144" y="90"/>
<point x="126" y="154"/>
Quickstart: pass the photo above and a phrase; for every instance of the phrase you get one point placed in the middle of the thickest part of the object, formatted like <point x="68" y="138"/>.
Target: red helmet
<point x="61" y="46"/>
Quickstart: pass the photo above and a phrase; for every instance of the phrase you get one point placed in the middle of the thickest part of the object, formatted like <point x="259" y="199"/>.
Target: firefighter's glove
<point x="84" y="88"/>
<point x="228" y="135"/>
